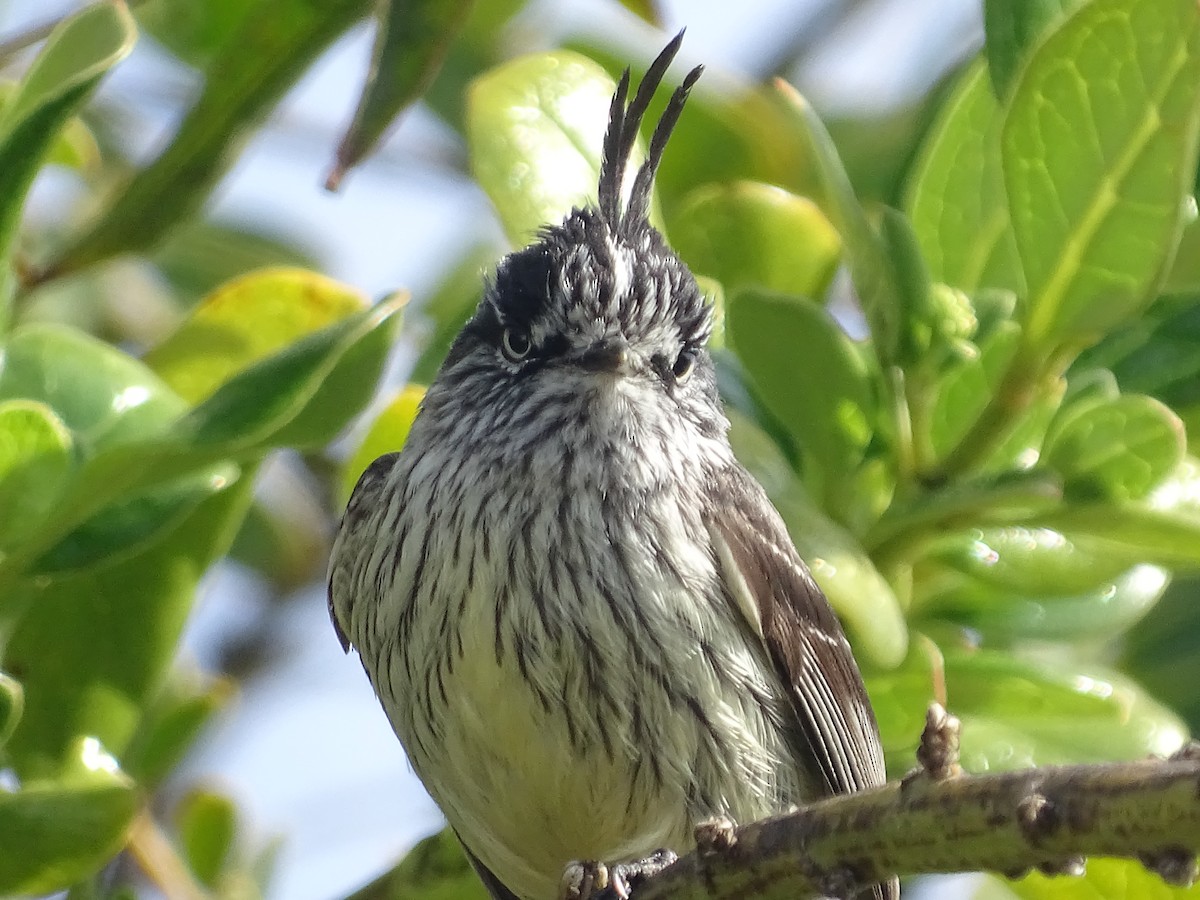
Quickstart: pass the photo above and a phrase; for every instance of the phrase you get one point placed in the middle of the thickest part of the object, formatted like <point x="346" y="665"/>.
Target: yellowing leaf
<point x="245" y="321"/>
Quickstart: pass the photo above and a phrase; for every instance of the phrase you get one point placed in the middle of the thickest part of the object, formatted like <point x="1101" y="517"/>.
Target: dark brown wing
<point x="766" y="579"/>
<point x="497" y="890"/>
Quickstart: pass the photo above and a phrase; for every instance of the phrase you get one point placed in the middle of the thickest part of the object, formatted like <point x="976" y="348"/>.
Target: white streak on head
<point x="622" y="269"/>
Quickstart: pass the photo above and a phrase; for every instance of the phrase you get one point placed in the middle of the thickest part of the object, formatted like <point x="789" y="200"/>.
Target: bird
<point x="587" y="624"/>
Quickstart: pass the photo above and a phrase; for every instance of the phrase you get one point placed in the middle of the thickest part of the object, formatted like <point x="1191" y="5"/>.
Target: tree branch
<point x="938" y="820"/>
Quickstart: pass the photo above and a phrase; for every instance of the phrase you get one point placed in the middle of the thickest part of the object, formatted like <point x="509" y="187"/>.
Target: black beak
<point x="610" y="355"/>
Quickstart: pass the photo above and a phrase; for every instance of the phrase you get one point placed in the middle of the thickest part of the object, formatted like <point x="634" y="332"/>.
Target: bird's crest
<point x="623" y="124"/>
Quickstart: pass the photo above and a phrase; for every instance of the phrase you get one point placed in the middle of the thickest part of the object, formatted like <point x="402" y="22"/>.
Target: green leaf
<point x="113" y="628"/>
<point x="194" y="32"/>
<point x="73" y="59"/>
<point x="387" y="433"/>
<point x="35" y="457"/>
<point x="1013" y="30"/>
<point x="1017" y="713"/>
<point x="245" y="321"/>
<point x="300" y="397"/>
<point x="966" y="385"/>
<point x="207" y="824"/>
<point x="1116" y="449"/>
<point x="1156" y="355"/>
<point x="1162" y="529"/>
<point x="1105" y="879"/>
<point x="74" y="147"/>
<point x="956" y="196"/>
<point x="12" y="704"/>
<point x="1163" y="650"/>
<point x="900" y="697"/>
<point x="535" y="128"/>
<point x="1006" y="496"/>
<point x="411" y="42"/>
<point x="58" y="831"/>
<point x="1184" y="277"/>
<point x="752" y="235"/>
<point x="844" y="571"/>
<point x="1099" y="150"/>
<point x="103" y="395"/>
<point x="1029" y="560"/>
<point x="1002" y="615"/>
<point x="303" y="396"/>
<point x="435" y="869"/>
<point x="171" y="724"/>
<point x="870" y="266"/>
<point x="264" y="56"/>
<point x="807" y="372"/>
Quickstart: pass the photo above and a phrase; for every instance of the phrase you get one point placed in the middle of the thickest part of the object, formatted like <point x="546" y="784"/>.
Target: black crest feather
<point x="623" y="124"/>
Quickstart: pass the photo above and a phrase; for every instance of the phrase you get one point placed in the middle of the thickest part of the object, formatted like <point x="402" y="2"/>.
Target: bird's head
<point x="598" y="308"/>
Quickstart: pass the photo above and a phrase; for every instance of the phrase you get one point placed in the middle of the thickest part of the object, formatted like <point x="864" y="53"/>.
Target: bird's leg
<point x="590" y="880"/>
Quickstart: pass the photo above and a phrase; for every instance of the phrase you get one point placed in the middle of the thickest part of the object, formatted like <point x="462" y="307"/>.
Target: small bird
<point x="586" y="622"/>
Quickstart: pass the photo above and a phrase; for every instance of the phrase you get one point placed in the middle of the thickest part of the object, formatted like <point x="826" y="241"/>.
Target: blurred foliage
<point x="991" y="473"/>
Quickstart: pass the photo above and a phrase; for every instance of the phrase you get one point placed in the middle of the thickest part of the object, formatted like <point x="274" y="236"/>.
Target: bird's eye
<point x="516" y="344"/>
<point x="684" y="363"/>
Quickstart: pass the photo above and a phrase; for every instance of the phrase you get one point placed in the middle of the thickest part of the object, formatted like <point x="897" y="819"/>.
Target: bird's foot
<point x="591" y="880"/>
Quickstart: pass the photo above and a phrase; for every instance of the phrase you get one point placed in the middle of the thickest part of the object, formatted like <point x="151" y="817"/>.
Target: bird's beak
<point x="611" y="355"/>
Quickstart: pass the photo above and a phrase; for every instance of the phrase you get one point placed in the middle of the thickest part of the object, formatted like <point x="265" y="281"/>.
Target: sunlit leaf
<point x="12" y="704"/>
<point x="1099" y="150"/>
<point x="201" y="255"/>
<point x="1114" y="449"/>
<point x="535" y="127"/>
<point x="114" y="627"/>
<point x="956" y="195"/>
<point x="58" y="830"/>
<point x="300" y="397"/>
<point x="245" y="321"/>
<point x="103" y="395"/>
<point x="35" y="456"/>
<point x="1017" y="713"/>
<point x="753" y="235"/>
<point x="1013" y="30"/>
<point x="1163" y="529"/>
<point x="1105" y="879"/>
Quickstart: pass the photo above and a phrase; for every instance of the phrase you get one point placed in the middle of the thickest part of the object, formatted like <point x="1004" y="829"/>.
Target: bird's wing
<point x="766" y="579"/>
<point x="491" y="883"/>
<point x="354" y="541"/>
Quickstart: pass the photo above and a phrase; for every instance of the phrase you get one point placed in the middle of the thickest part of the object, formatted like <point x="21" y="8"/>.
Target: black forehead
<point x="578" y="254"/>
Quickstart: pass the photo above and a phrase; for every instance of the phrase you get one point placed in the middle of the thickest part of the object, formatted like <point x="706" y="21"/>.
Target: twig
<point x="157" y="858"/>
<point x="934" y="820"/>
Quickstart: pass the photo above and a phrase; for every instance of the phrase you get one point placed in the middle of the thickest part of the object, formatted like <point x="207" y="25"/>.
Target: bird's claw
<point x="592" y="880"/>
